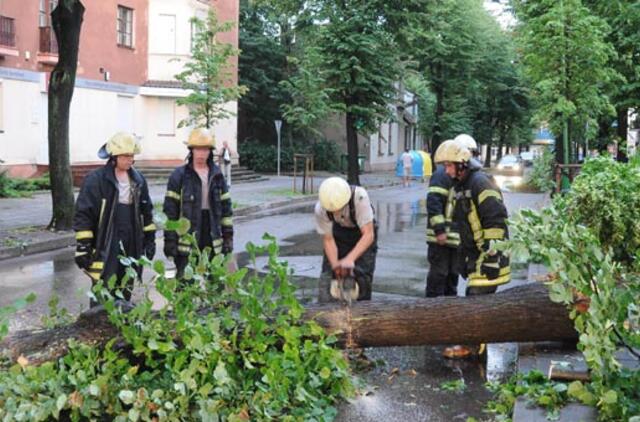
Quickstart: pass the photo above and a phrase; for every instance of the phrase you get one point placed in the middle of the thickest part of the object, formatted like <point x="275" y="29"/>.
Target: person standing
<point x="407" y="163"/>
<point x="345" y="219"/>
<point x="113" y="215"/>
<point x="481" y="217"/>
<point x="225" y="162"/>
<point x="442" y="237"/>
<point x="197" y="191"/>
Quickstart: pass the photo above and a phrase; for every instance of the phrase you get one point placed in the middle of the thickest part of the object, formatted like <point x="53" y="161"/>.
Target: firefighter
<point x="481" y="218"/>
<point x="198" y="192"/>
<point x="345" y="219"/>
<point x="442" y="236"/>
<point x="468" y="142"/>
<point x="113" y="215"/>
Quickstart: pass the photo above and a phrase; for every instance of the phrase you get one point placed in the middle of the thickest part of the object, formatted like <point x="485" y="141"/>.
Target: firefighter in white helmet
<point x="198" y="192"/>
<point x="481" y="218"/>
<point x="468" y="142"/>
<point x="345" y="218"/>
<point x="113" y="215"/>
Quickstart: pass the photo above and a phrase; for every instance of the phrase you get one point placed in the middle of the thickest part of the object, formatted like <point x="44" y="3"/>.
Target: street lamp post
<point x="278" y="126"/>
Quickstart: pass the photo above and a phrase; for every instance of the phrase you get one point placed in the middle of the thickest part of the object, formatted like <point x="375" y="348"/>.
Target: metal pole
<point x="278" y="124"/>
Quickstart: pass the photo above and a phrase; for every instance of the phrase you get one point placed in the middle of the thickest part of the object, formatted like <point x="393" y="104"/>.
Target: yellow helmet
<point x="334" y="193"/>
<point x="121" y="143"/>
<point x="453" y="152"/>
<point x="201" y="137"/>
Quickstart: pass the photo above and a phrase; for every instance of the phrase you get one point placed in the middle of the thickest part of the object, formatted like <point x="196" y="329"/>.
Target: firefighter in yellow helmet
<point x="442" y="236"/>
<point x="198" y="191"/>
<point x="113" y="215"/>
<point x="345" y="219"/>
<point x="481" y="217"/>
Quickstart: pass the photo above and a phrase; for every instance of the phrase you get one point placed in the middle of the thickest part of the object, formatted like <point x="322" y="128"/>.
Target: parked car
<point x="527" y="158"/>
<point x="510" y="164"/>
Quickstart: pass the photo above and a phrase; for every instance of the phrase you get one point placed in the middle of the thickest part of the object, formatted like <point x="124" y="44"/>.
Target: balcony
<point x="7" y="37"/>
<point x="48" y="49"/>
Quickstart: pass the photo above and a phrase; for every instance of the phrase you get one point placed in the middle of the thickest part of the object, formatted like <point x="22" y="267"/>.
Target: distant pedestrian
<point x="225" y="162"/>
<point x="113" y="215"/>
<point x="407" y="163"/>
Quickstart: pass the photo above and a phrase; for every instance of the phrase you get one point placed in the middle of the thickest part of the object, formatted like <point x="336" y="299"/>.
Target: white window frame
<point x="124" y="36"/>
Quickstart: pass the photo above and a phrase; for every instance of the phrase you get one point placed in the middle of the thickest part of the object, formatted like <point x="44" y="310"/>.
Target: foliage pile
<point x="588" y="240"/>
<point x="15" y="188"/>
<point x="234" y="349"/>
<point x="263" y="158"/>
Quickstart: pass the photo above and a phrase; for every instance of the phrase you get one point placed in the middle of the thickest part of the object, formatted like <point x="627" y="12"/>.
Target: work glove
<point x="84" y="255"/>
<point x="490" y="266"/>
<point x="227" y="245"/>
<point x="150" y="249"/>
<point x="170" y="248"/>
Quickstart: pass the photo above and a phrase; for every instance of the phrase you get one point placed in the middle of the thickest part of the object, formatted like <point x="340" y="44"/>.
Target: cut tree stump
<point x="523" y="313"/>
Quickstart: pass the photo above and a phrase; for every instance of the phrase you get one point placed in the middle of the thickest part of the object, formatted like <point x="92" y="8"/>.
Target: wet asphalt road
<point x="407" y="382"/>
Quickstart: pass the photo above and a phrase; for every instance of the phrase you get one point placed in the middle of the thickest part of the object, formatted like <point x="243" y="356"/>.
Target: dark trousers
<point x="346" y="239"/>
<point x="204" y="240"/>
<point x="442" y="279"/>
<point x="122" y="244"/>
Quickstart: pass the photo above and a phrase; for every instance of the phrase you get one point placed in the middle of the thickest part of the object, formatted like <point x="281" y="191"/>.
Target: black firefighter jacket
<point x="184" y="199"/>
<point x="95" y="211"/>
<point x="440" y="206"/>
<point x="482" y="217"/>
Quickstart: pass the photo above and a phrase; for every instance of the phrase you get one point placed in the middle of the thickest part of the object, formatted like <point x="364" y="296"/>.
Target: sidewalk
<point x="23" y="220"/>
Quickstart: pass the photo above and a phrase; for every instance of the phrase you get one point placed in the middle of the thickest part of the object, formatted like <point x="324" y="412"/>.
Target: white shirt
<point x="407" y="159"/>
<point x="363" y="213"/>
<point x="124" y="192"/>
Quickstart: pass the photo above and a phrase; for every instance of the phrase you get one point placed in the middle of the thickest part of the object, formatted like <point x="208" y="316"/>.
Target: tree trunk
<point x="623" y="125"/>
<point x="353" y="173"/>
<point x="67" y="22"/>
<point x="436" y="137"/>
<point x="523" y="313"/>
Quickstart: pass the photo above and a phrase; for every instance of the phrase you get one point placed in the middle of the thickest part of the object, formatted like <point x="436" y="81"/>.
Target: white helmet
<point x="466" y="141"/>
<point x="334" y="193"/>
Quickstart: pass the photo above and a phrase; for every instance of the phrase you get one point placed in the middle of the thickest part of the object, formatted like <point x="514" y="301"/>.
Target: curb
<point x="244" y="214"/>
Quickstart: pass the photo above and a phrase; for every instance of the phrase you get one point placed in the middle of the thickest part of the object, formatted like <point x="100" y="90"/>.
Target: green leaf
<point x="127" y="396"/>
<point x="610" y="397"/>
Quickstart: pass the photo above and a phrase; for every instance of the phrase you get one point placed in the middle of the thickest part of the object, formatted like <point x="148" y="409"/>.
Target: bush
<point x="589" y="240"/>
<point x="541" y="176"/>
<point x="16" y="188"/>
<point x="263" y="158"/>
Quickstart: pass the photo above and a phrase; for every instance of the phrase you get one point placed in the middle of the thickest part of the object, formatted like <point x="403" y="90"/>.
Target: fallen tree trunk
<point x="522" y="313"/>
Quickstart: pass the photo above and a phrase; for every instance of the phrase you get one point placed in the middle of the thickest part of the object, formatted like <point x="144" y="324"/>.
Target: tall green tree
<point x="568" y="61"/>
<point x="355" y="56"/>
<point x="262" y="66"/>
<point x="208" y="74"/>
<point x="623" y="18"/>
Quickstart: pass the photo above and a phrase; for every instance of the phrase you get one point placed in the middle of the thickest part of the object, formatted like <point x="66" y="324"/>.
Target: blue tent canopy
<point x="416" y="166"/>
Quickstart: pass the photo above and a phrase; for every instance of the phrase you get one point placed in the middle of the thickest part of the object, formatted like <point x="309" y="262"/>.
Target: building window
<point x="125" y="26"/>
<point x="166" y="117"/>
<point x="44" y="14"/>
<point x="1" y="108"/>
